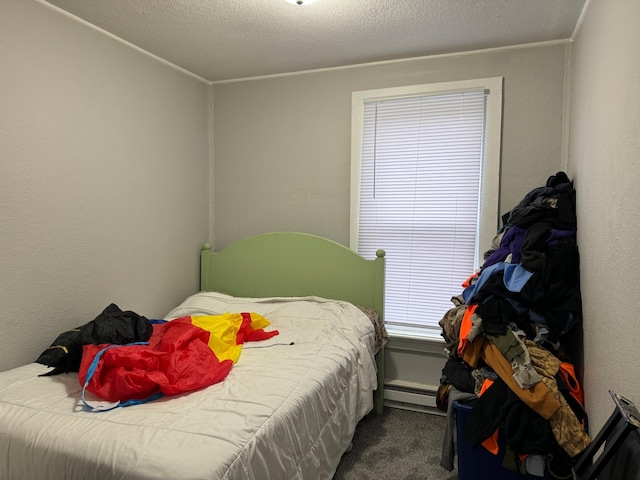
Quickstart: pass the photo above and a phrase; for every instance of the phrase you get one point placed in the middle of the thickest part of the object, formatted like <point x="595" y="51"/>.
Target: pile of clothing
<point x="506" y="338"/>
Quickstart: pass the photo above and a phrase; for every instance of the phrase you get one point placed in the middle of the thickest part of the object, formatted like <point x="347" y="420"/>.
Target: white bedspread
<point x="286" y="411"/>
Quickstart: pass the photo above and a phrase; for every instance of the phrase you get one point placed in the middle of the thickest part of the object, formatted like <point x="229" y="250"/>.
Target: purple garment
<point x="511" y="243"/>
<point x="555" y="235"/>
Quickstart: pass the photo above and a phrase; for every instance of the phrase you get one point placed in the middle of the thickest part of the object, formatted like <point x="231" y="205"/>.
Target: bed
<point x="287" y="410"/>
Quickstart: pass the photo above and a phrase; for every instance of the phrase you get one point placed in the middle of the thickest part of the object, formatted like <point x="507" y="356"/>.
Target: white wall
<point x="104" y="178"/>
<point x="604" y="159"/>
<point x="282" y="144"/>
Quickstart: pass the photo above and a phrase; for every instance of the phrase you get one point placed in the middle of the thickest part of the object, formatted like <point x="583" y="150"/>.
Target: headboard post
<point x="205" y="267"/>
<point x="378" y="287"/>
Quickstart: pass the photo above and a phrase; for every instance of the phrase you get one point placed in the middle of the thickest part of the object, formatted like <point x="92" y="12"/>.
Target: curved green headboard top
<point x="291" y="264"/>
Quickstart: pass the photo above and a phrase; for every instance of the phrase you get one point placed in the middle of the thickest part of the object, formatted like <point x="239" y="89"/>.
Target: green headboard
<point x="291" y="264"/>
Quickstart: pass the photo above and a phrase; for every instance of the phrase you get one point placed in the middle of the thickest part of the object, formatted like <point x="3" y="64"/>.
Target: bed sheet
<point x="287" y="410"/>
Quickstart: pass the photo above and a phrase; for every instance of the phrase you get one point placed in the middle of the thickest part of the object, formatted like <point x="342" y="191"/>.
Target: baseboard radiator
<point x="411" y="396"/>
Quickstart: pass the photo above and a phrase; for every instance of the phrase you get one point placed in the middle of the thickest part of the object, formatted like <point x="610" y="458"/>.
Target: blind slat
<point x="419" y="198"/>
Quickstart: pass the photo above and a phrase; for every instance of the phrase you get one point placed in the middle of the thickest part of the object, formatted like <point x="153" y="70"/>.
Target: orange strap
<point x="490" y="443"/>
<point x="485" y="386"/>
<point x="568" y="374"/>
<point x="465" y="328"/>
<point x="467" y="282"/>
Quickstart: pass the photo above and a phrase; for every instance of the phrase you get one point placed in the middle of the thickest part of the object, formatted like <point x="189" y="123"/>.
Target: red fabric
<point x="248" y="334"/>
<point x="177" y="360"/>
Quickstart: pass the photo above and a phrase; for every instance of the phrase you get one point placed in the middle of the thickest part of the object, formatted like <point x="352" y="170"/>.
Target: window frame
<point x="490" y="176"/>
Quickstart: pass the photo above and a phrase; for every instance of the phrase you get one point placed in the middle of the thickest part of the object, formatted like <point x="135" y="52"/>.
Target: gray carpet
<point x="398" y="445"/>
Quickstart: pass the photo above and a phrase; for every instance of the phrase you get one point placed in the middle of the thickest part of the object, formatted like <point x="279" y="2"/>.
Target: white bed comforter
<point x="287" y="410"/>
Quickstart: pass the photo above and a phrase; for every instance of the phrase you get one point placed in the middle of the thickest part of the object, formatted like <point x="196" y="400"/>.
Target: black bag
<point x="112" y="326"/>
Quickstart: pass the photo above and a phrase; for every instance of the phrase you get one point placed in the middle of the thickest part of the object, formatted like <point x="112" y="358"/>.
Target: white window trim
<point x="490" y="186"/>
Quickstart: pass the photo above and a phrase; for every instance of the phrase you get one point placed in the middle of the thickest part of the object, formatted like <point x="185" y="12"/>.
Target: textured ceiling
<point x="230" y="39"/>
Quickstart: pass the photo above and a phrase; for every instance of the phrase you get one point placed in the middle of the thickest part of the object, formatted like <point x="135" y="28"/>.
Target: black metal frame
<point x="624" y="419"/>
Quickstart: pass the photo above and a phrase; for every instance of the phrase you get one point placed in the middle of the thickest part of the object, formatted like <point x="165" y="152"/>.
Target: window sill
<point x="413" y="333"/>
<point x="415" y="340"/>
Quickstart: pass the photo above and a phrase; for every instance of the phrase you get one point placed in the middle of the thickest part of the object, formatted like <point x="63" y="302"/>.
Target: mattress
<point x="287" y="410"/>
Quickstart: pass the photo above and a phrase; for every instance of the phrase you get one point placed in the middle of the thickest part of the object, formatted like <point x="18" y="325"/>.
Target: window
<point x="425" y="187"/>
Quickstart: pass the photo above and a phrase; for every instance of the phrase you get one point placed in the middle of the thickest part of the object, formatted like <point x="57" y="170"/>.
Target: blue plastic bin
<point x="476" y="463"/>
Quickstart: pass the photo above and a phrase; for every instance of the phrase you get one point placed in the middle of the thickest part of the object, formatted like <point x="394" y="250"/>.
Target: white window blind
<point x="420" y="194"/>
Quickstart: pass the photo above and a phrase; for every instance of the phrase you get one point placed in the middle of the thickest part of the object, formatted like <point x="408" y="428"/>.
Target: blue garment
<point x="515" y="278"/>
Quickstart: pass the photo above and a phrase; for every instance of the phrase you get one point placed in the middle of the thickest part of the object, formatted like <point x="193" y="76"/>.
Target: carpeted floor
<point x="397" y="445"/>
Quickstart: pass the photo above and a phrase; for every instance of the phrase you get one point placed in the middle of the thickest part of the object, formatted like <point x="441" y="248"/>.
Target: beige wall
<point x="104" y="169"/>
<point x="604" y="158"/>
<point x="282" y="144"/>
